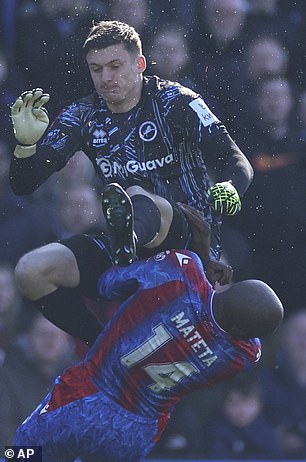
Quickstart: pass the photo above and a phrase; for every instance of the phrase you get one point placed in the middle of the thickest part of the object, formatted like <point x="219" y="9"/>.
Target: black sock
<point x="66" y="309"/>
<point x="147" y="218"/>
<point x="178" y="237"/>
<point x="179" y="234"/>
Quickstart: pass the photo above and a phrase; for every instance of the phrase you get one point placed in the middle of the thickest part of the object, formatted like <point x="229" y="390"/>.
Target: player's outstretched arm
<point x="200" y="231"/>
<point x="30" y="121"/>
<point x="215" y="270"/>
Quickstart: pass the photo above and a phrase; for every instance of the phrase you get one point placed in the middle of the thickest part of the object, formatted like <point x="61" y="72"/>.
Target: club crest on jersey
<point x="99" y="137"/>
<point x="161" y="255"/>
<point x="147" y="131"/>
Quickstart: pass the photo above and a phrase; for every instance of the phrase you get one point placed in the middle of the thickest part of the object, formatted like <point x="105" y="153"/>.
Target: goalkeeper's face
<point x="117" y="76"/>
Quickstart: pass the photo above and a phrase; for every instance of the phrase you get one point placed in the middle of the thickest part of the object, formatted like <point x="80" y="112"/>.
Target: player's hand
<point x="217" y="271"/>
<point x="200" y="231"/>
<point x="29" y="117"/>
<point x="225" y="198"/>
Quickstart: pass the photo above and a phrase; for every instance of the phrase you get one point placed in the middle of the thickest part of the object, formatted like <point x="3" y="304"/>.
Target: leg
<point x="163" y="219"/>
<point x="95" y="428"/>
<point x="118" y="212"/>
<point x="172" y="227"/>
<point x="38" y="431"/>
<point x="43" y="270"/>
<point x="159" y="223"/>
<point x="57" y="277"/>
<point x="172" y="230"/>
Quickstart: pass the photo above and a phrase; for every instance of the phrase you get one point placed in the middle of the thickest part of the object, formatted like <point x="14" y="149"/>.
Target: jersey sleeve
<point x="57" y="146"/>
<point x="221" y="154"/>
<point x="121" y="282"/>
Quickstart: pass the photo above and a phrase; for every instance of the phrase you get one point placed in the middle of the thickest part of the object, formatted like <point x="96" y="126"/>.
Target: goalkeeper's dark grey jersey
<point x="167" y="143"/>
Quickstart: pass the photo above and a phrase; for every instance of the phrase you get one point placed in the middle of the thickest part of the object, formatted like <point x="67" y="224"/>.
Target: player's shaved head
<point x="248" y="309"/>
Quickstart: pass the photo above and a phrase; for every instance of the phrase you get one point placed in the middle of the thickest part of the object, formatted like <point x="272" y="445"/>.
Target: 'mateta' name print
<point x="192" y="336"/>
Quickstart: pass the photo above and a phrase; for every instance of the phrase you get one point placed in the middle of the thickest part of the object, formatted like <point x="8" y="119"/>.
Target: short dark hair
<point x="106" y="33"/>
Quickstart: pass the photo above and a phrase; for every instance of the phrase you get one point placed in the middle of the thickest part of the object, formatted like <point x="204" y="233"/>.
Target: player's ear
<point x="141" y="63"/>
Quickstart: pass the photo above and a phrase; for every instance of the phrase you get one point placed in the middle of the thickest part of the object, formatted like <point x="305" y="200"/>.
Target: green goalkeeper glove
<point x="30" y="120"/>
<point x="225" y="198"/>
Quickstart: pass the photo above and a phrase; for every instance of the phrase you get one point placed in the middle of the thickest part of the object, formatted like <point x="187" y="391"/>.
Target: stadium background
<point x="247" y="59"/>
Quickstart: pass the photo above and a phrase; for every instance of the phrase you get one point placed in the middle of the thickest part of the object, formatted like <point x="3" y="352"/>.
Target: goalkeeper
<point x="152" y="143"/>
<point x="30" y="119"/>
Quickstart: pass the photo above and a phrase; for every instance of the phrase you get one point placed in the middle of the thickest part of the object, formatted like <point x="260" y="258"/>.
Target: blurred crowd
<point x="247" y="59"/>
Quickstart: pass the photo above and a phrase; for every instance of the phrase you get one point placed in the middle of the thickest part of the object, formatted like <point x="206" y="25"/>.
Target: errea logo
<point x="99" y="137"/>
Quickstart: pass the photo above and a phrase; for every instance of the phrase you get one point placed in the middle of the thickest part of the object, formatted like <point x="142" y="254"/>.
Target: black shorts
<point x="93" y="256"/>
<point x="93" y="252"/>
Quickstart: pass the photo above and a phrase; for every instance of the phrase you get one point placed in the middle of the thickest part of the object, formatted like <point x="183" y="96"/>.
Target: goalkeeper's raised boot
<point x="118" y="211"/>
